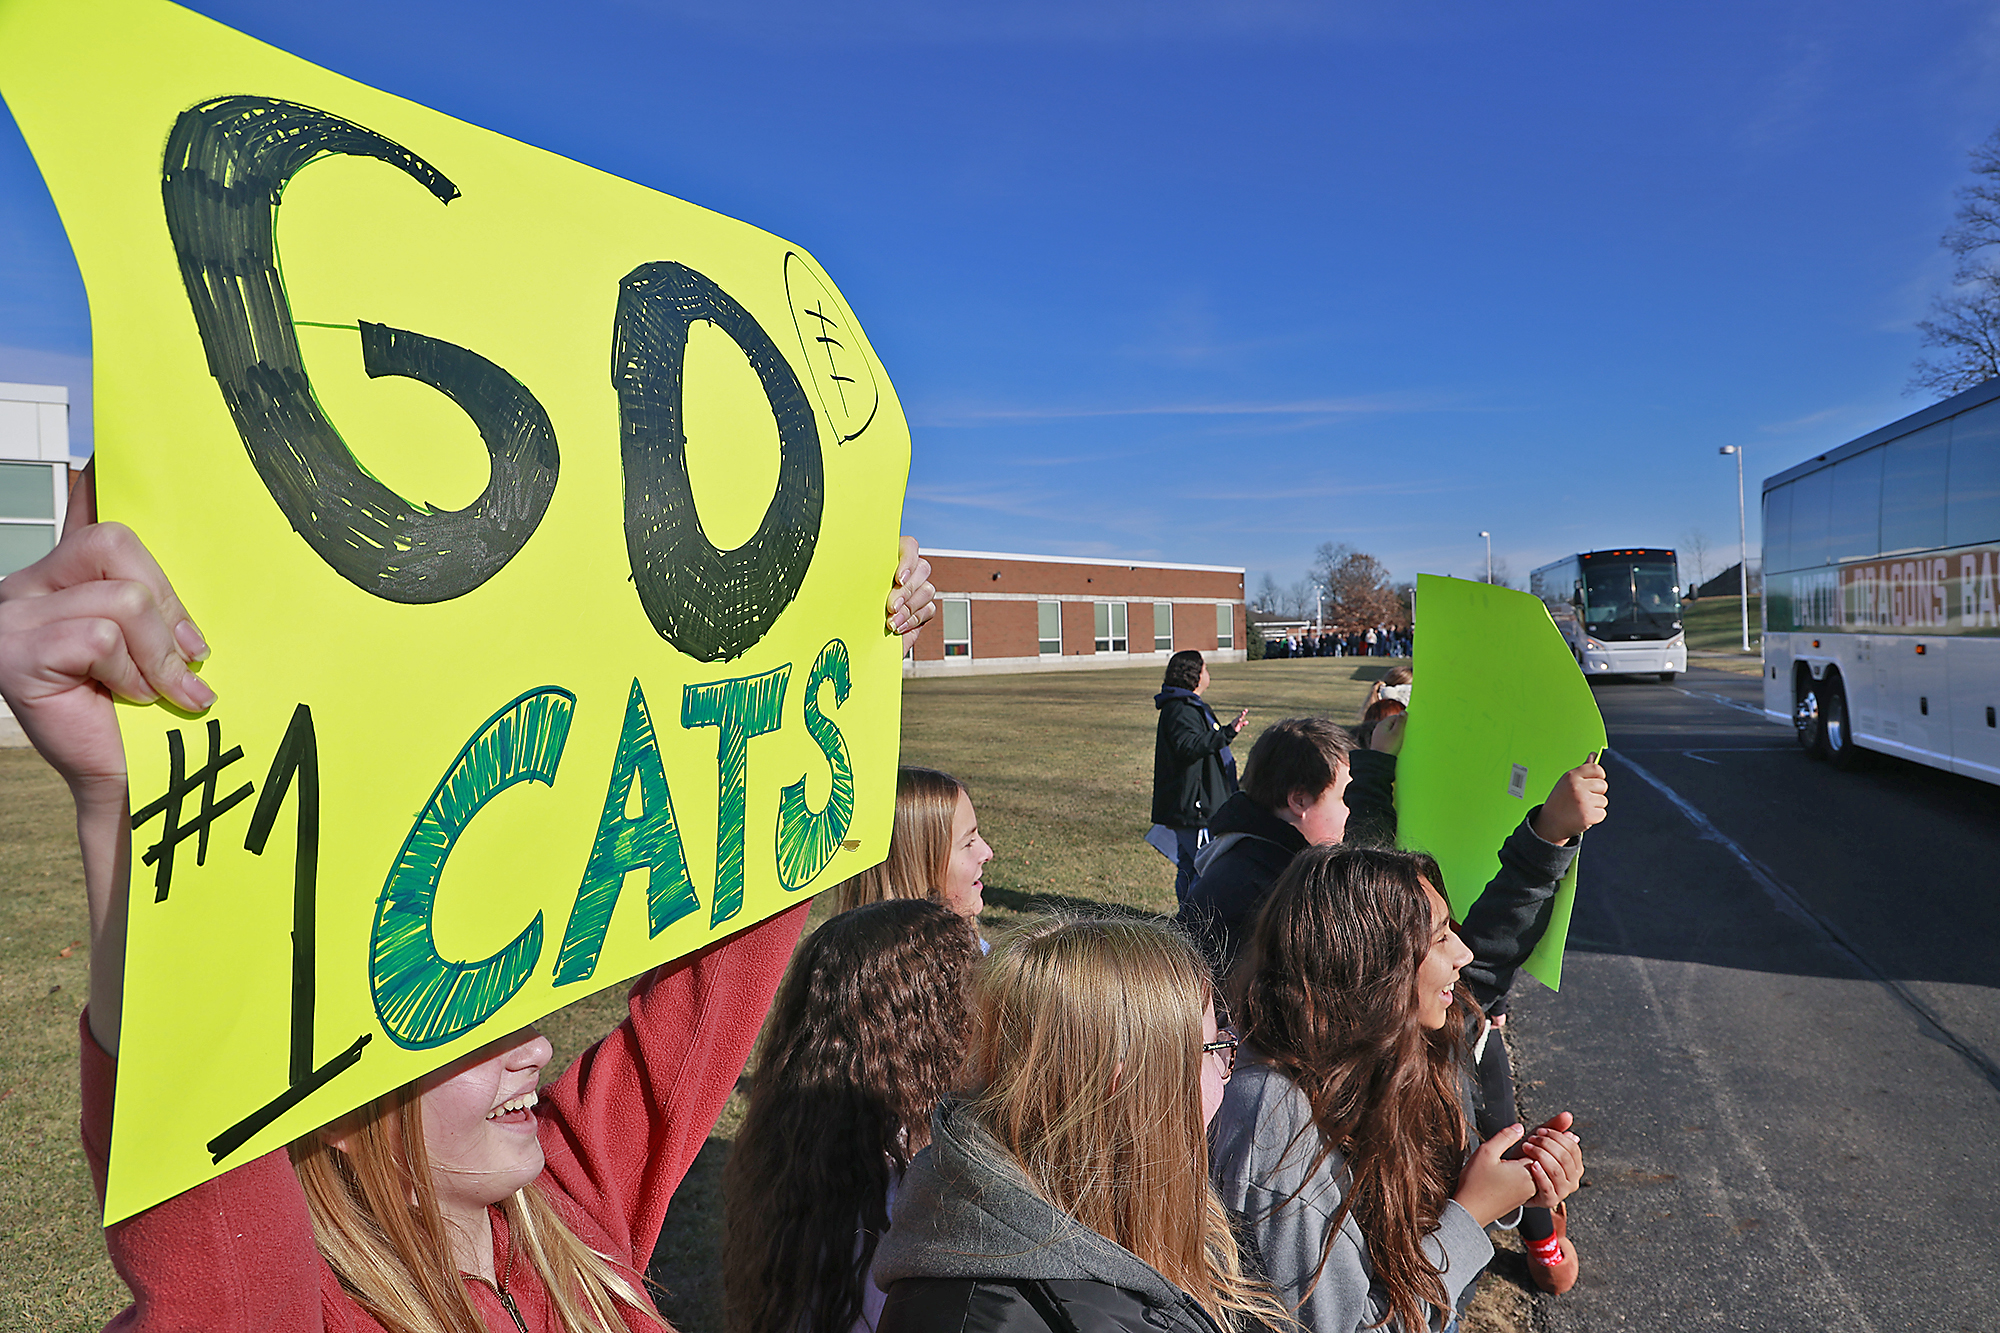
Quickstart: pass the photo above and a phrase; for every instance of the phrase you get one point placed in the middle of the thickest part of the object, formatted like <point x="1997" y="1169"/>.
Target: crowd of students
<point x="1054" y="1131"/>
<point x="1377" y="641"/>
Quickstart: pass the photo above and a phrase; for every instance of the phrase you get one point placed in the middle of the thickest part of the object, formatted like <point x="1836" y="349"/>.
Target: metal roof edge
<point x="1977" y="396"/>
<point x="1107" y="561"/>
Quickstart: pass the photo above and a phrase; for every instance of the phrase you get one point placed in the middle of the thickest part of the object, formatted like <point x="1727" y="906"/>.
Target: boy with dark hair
<point x="1306" y="785"/>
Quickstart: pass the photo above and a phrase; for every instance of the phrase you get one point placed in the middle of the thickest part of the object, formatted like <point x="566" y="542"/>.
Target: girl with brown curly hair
<point x="1343" y="1140"/>
<point x="868" y="1032"/>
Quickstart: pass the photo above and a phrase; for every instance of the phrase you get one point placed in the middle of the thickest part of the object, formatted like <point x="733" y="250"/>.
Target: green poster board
<point x="1499" y="712"/>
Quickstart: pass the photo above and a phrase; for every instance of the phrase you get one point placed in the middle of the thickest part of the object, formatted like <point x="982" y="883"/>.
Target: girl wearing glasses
<point x="1070" y="1190"/>
<point x="1343" y="1140"/>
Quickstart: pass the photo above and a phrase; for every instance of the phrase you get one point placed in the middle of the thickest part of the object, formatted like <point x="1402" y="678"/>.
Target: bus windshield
<point x="1631" y="599"/>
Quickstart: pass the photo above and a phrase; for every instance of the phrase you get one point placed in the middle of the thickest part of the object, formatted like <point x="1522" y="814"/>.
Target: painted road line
<point x="1788" y="901"/>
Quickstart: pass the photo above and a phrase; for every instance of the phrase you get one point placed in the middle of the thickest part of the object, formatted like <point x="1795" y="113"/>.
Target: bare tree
<point x="1964" y="326"/>
<point x="1500" y="577"/>
<point x="1697" y="550"/>
<point x="1358" y="592"/>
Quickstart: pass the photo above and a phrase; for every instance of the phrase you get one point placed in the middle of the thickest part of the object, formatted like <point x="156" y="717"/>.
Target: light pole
<point x="1742" y="543"/>
<point x="1489" y="556"/>
<point x="1318" y="626"/>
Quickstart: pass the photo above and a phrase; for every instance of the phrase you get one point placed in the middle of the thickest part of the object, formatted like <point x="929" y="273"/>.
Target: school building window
<point x="957" y="627"/>
<point x="1111" y="627"/>
<point x="1048" y="626"/>
<point x="1225" y="625"/>
<point x="28" y="512"/>
<point x="1163" y="627"/>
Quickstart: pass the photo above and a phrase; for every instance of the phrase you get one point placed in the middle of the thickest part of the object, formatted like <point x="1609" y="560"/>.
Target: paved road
<point x="1780" y="1031"/>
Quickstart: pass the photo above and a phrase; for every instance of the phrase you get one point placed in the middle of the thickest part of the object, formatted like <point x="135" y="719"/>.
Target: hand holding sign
<point x="1579" y="802"/>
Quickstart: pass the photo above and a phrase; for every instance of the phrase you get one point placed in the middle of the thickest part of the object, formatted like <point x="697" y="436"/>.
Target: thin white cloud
<point x="1807" y="421"/>
<point x="945" y="417"/>
<point x="881" y="22"/>
<point x="1326" y="491"/>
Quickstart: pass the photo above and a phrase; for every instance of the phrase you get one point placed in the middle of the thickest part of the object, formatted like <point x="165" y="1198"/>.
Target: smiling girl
<point x="935" y="851"/>
<point x="1343" y="1141"/>
<point x="470" y="1201"/>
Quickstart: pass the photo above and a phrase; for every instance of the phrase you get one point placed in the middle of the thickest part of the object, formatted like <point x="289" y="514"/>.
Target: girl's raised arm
<point x="93" y="620"/>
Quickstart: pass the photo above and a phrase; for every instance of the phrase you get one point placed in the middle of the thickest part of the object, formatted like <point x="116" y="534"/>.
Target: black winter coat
<point x="1248" y="848"/>
<point x="1190" y="780"/>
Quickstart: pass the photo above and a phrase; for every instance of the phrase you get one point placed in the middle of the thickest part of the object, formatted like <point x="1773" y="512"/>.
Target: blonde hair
<point x="375" y="1218"/>
<point x="1086" y="1046"/>
<point x="919" y="846"/>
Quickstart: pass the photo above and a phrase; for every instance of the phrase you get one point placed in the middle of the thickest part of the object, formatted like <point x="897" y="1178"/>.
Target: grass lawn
<point x="1715" y="624"/>
<point x="1060" y="767"/>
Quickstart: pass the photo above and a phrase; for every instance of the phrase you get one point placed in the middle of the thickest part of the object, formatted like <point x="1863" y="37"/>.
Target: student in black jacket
<point x="1193" y="771"/>
<point x="1306" y="785"/>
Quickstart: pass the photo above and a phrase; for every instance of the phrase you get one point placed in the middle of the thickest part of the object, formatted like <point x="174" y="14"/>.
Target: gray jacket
<point x="1265" y="1141"/>
<point x="970" y="1227"/>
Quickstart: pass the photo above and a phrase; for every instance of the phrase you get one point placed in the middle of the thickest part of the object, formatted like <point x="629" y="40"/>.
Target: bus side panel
<point x="1923" y="683"/>
<point x="1974" y="666"/>
<point x="1778" y="675"/>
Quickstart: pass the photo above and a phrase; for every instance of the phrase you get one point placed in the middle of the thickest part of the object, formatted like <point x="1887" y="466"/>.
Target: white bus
<point x="1882" y="591"/>
<point x="1619" y="610"/>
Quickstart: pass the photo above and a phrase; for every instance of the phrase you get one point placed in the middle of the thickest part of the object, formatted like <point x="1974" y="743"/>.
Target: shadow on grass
<point x="1029" y="904"/>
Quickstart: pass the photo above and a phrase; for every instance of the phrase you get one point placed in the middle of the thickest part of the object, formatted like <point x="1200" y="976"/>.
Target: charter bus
<point x="1881" y="569"/>
<point x="1620" y="611"/>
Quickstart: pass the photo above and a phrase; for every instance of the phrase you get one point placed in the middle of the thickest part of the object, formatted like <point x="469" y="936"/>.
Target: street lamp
<point x="1742" y="544"/>
<point x="1489" y="555"/>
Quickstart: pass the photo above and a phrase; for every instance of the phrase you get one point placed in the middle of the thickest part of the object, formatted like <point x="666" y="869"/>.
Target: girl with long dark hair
<point x="1344" y="1141"/>
<point x="867" y="1034"/>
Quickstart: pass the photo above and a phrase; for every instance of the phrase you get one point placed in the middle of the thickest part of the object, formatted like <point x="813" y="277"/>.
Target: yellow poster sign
<point x="541" y="525"/>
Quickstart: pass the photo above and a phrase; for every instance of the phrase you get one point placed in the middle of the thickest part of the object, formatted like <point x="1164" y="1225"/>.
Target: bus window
<point x="1631" y="595"/>
<point x="1854" y="517"/>
<point x="1809" y="500"/>
<point x="1974" y="511"/>
<point x="1778" y="528"/>
<point x="1913" y="490"/>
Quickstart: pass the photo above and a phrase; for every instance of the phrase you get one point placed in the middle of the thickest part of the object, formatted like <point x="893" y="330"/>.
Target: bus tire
<point x="1667" y="677"/>
<point x="1806" y="719"/>
<point x="1836" y="732"/>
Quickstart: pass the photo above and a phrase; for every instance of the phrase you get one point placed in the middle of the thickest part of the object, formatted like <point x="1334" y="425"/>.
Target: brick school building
<point x="1001" y="612"/>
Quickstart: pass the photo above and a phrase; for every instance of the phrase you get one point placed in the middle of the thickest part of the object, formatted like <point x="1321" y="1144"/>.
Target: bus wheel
<point x="1666" y="678"/>
<point x="1836" y="738"/>
<point x="1806" y="717"/>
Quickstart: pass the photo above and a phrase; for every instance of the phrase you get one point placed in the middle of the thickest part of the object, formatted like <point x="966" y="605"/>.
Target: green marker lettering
<point x="424" y="1000"/>
<point x="622" y="845"/>
<point x="741" y="708"/>
<point x="808" y="838"/>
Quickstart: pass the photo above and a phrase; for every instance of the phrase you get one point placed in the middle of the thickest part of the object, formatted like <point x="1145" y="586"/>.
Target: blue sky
<point x="1219" y="282"/>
